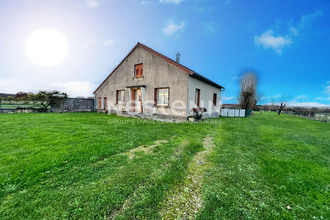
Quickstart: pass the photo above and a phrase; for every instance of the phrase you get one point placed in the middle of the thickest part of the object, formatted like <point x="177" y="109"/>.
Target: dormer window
<point x="139" y="70"/>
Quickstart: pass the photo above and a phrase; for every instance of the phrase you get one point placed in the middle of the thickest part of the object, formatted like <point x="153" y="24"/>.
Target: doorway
<point x="137" y="100"/>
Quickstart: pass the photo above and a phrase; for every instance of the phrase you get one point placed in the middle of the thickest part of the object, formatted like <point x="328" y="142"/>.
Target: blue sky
<point x="285" y="41"/>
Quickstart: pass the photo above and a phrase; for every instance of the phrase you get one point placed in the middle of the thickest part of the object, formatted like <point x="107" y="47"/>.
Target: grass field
<point x="96" y="166"/>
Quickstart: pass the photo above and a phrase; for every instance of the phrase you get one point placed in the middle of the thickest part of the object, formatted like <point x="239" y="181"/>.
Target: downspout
<point x="222" y="89"/>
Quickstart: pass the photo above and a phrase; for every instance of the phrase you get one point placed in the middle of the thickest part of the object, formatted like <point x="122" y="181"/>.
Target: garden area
<point x="99" y="166"/>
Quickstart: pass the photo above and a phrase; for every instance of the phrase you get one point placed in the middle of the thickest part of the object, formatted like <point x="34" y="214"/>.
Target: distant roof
<point x="170" y="61"/>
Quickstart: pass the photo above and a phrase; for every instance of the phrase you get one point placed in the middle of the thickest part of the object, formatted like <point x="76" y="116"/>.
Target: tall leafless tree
<point x="282" y="101"/>
<point x="282" y="106"/>
<point x="249" y="96"/>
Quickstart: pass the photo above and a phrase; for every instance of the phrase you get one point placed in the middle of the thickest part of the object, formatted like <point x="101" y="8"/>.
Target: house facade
<point x="147" y="82"/>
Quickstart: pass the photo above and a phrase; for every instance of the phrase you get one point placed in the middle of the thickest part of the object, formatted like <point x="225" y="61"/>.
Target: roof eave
<point x="204" y="79"/>
<point x="137" y="45"/>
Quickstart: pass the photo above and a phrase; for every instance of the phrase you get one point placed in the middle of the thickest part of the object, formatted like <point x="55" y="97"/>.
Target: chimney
<point x="178" y="57"/>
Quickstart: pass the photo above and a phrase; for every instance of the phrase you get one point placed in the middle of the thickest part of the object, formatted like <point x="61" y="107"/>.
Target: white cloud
<point x="93" y="3"/>
<point x="277" y="43"/>
<point x="301" y="97"/>
<point x="274" y="97"/>
<point x="75" y="88"/>
<point x="306" y="104"/>
<point x="232" y="80"/>
<point x="294" y="31"/>
<point x="146" y="2"/>
<point x="268" y="40"/>
<point x="323" y="98"/>
<point x="14" y="85"/>
<point x="299" y="101"/>
<point x="227" y="2"/>
<point x="301" y="104"/>
<point x="89" y="42"/>
<point x="224" y="98"/>
<point x="327" y="89"/>
<point x="172" y="28"/>
<point x="302" y="101"/>
<point x="108" y="42"/>
<point x="306" y="20"/>
<point x="171" y="1"/>
<point x="210" y="27"/>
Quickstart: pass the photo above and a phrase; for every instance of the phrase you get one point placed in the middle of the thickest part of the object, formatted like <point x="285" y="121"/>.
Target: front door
<point x="137" y="100"/>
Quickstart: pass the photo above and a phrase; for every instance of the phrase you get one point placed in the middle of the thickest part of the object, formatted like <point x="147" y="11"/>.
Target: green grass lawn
<point x="75" y="165"/>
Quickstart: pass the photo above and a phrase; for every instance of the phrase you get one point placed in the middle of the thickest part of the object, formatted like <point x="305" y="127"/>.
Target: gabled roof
<point x="170" y="61"/>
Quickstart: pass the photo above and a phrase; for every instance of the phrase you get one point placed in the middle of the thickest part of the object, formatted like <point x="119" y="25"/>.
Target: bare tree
<point x="249" y="96"/>
<point x="282" y="106"/>
<point x="282" y="101"/>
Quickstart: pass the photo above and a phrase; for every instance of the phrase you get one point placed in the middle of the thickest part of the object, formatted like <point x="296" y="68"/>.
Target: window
<point x="197" y="97"/>
<point x="100" y="102"/>
<point x="139" y="70"/>
<point x="120" y="96"/>
<point x="162" y="96"/>
<point x="214" y="99"/>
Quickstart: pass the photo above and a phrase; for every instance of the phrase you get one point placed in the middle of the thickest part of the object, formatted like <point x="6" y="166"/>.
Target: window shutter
<point x="155" y="97"/>
<point x="139" y="70"/>
<point x="214" y="99"/>
<point x="117" y="96"/>
<point x="197" y="97"/>
<point x="105" y="103"/>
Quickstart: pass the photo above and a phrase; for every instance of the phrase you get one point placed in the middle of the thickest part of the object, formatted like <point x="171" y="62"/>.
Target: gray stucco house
<point x="147" y="82"/>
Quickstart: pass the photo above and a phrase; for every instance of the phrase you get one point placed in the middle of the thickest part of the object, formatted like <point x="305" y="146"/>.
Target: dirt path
<point x="138" y="193"/>
<point x="146" y="149"/>
<point x="185" y="201"/>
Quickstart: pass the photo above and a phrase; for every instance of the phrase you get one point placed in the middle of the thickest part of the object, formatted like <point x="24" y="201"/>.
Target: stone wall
<point x="70" y="105"/>
<point x="75" y="105"/>
<point x="17" y="110"/>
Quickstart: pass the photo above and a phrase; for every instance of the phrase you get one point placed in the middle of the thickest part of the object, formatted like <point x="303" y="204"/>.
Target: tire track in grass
<point x="138" y="193"/>
<point x="132" y="153"/>
<point x="184" y="201"/>
<point x="145" y="149"/>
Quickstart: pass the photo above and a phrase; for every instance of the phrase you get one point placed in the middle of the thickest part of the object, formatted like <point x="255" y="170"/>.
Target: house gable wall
<point x="157" y="73"/>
